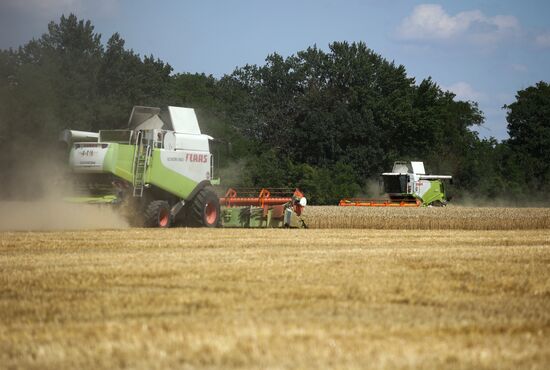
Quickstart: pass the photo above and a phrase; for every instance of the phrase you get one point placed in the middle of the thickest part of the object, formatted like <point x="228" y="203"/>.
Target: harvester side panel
<point x="178" y="172"/>
<point x="103" y="158"/>
<point x="174" y="171"/>
<point x="88" y="157"/>
<point x="119" y="161"/>
<point x="430" y="191"/>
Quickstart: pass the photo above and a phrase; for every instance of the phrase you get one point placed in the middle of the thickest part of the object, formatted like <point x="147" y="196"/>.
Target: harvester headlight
<point x="303" y="201"/>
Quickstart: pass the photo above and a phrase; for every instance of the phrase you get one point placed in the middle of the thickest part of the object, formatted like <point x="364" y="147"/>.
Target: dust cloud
<point x="374" y="188"/>
<point x="473" y="200"/>
<point x="232" y="175"/>
<point x="42" y="215"/>
<point x="34" y="199"/>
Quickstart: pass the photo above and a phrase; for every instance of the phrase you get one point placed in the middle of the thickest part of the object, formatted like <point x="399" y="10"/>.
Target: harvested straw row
<point x="431" y="218"/>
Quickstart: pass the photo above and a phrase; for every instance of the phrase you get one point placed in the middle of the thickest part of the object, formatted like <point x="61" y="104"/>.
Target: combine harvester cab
<point x="162" y="166"/>
<point x="407" y="185"/>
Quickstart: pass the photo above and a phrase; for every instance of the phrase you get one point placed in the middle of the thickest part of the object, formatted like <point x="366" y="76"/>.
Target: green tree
<point x="529" y="129"/>
<point x="125" y="80"/>
<point x="325" y="121"/>
<point x="66" y="79"/>
<point x="73" y="50"/>
<point x="349" y="105"/>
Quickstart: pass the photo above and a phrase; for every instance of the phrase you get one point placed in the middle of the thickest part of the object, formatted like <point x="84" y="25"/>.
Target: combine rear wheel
<point x="205" y="209"/>
<point x="157" y="214"/>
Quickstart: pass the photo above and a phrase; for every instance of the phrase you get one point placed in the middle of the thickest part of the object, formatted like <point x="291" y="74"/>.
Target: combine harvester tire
<point x="157" y="214"/>
<point x="205" y="209"/>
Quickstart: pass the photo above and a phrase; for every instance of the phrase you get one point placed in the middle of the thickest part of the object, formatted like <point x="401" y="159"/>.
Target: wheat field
<point x="428" y="218"/>
<point x="275" y="299"/>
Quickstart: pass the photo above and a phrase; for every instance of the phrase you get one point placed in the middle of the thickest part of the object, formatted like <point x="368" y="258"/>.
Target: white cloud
<point x="543" y="40"/>
<point x="464" y="91"/>
<point x="432" y="22"/>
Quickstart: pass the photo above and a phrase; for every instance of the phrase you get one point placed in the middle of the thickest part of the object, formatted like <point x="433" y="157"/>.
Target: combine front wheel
<point x="205" y="209"/>
<point x="157" y="214"/>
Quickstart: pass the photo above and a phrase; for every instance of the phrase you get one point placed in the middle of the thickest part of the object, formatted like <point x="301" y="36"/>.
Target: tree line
<point x="327" y="122"/>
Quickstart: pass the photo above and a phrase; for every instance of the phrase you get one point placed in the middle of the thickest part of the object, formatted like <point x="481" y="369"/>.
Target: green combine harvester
<point x="407" y="185"/>
<point x="161" y="169"/>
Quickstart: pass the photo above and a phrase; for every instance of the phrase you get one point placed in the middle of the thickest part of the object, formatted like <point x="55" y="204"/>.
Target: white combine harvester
<point x="407" y="185"/>
<point x="163" y="167"/>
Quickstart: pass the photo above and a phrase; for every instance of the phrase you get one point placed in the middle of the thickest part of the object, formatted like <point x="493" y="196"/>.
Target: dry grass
<point x="430" y="218"/>
<point x="196" y="298"/>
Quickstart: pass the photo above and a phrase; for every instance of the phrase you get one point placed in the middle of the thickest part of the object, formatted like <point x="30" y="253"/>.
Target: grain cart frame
<point x="162" y="166"/>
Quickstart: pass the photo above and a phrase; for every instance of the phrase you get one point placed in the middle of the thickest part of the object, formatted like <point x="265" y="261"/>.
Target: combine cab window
<point x="395" y="184"/>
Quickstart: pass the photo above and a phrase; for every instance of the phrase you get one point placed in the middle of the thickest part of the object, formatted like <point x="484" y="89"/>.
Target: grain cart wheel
<point x="157" y="214"/>
<point x="205" y="209"/>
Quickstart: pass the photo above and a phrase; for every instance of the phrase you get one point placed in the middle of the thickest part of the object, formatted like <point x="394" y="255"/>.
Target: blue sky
<point x="482" y="50"/>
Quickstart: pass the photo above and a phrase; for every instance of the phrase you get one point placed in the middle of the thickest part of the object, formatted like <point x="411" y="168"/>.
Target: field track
<point x="188" y="298"/>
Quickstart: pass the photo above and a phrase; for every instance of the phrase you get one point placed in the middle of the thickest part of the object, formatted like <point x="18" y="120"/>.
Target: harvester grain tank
<point x="163" y="167"/>
<point x="407" y="185"/>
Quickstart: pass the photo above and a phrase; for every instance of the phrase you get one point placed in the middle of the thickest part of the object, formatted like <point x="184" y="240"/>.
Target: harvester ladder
<point x="141" y="160"/>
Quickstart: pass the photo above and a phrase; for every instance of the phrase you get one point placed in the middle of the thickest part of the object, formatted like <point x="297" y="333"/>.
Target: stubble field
<point x="339" y="298"/>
